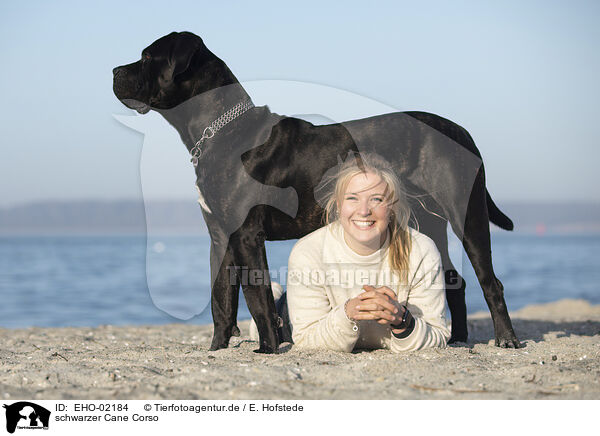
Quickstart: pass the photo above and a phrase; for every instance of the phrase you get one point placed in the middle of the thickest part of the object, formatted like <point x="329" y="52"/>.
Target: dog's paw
<point x="508" y="342"/>
<point x="457" y="338"/>
<point x="265" y="349"/>
<point x="218" y="344"/>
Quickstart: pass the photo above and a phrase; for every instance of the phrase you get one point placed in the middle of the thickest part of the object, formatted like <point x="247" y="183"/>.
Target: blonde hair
<point x="395" y="199"/>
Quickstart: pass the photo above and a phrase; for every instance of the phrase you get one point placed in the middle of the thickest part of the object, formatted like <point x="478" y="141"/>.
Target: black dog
<point x="257" y="172"/>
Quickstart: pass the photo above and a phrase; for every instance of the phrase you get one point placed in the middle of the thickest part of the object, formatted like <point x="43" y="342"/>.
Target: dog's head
<point x="171" y="70"/>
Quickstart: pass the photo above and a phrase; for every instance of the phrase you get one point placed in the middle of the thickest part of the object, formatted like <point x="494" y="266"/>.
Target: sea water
<point x="51" y="281"/>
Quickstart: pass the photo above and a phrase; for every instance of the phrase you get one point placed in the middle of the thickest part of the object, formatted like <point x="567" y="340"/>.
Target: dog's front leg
<point x="224" y="301"/>
<point x="250" y="255"/>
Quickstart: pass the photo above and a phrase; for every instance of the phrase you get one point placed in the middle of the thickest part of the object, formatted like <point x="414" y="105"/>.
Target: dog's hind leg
<point x="455" y="296"/>
<point x="455" y="288"/>
<point x="435" y="227"/>
<point x="476" y="241"/>
<point x="224" y="302"/>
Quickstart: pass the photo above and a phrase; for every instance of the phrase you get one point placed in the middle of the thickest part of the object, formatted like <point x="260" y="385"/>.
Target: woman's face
<point x="364" y="213"/>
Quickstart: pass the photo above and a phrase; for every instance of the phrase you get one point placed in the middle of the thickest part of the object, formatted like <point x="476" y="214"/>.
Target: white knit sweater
<point x="323" y="273"/>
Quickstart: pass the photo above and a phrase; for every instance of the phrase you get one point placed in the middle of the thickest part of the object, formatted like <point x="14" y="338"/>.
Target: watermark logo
<point x="26" y="415"/>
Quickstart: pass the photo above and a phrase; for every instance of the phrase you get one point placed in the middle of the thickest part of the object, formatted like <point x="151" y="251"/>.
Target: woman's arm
<point x="426" y="303"/>
<point x="315" y="323"/>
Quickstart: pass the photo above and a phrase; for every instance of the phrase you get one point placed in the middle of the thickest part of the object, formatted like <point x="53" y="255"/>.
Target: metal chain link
<point x="217" y="125"/>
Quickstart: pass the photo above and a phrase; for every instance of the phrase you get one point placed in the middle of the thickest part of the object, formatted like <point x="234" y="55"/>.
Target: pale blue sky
<point x="522" y="77"/>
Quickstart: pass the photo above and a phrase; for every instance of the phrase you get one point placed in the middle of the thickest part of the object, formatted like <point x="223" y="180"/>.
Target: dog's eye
<point x="146" y="57"/>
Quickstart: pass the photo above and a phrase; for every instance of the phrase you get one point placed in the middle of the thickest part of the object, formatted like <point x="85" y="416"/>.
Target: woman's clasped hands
<point x="378" y="304"/>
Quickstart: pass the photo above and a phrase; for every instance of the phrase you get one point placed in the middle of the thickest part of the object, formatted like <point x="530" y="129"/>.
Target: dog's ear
<point x="182" y="52"/>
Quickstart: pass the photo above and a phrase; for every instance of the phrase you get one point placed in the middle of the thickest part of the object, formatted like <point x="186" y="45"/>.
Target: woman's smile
<point x="362" y="225"/>
<point x="364" y="214"/>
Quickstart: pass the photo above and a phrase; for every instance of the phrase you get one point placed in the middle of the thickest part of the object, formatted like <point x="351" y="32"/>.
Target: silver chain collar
<point x="217" y="125"/>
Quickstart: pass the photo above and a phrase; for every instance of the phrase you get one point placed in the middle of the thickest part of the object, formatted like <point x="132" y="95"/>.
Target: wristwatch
<point x="402" y="324"/>
<point x="408" y="329"/>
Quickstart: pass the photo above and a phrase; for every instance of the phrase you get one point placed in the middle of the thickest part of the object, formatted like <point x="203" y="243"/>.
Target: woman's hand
<point x="371" y="304"/>
<point x="351" y="308"/>
<point x="378" y="304"/>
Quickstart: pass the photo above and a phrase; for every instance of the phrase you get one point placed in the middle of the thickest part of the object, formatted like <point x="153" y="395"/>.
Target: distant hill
<point x="96" y="216"/>
<point x="553" y="217"/>
<point x="178" y="216"/>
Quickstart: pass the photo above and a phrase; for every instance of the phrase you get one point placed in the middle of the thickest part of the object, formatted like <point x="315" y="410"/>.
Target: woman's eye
<point x="378" y="200"/>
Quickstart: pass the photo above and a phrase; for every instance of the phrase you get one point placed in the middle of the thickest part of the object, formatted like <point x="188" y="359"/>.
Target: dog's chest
<point x="202" y="200"/>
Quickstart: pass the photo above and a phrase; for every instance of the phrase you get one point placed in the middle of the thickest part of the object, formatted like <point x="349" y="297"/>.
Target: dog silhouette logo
<point x="26" y="415"/>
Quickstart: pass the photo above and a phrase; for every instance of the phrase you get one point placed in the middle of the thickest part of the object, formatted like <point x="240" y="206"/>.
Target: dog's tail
<point x="496" y="215"/>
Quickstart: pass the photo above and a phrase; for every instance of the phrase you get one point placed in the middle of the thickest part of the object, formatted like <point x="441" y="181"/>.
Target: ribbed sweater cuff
<point x="406" y="333"/>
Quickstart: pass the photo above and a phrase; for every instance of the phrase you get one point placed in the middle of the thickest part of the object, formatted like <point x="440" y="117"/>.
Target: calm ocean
<point x="91" y="280"/>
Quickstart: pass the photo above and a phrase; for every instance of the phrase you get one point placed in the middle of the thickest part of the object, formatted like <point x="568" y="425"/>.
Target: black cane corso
<point x="257" y="173"/>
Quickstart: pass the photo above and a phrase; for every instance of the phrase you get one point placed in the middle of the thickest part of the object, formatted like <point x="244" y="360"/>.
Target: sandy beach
<point x="560" y="360"/>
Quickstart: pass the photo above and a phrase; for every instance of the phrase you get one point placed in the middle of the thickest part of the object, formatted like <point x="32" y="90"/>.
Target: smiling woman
<point x="366" y="280"/>
<point x="371" y="201"/>
<point x="364" y="213"/>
